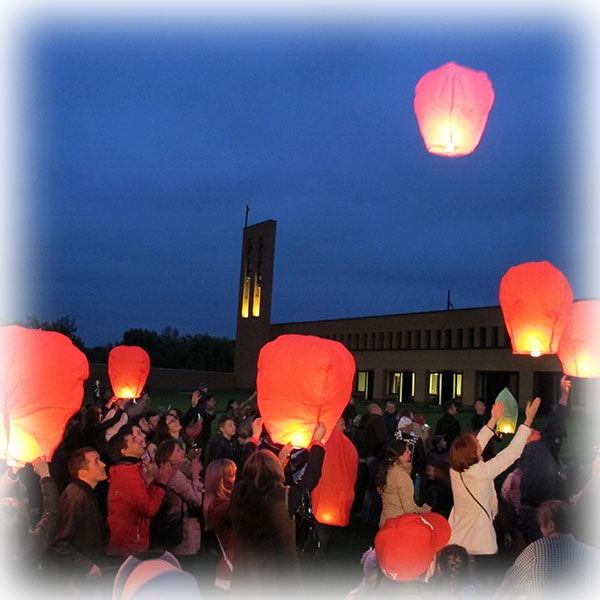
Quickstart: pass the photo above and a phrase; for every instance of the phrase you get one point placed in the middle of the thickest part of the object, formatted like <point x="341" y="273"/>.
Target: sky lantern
<point x="302" y="379"/>
<point x="535" y="299"/>
<point x="333" y="497"/>
<point x="41" y="388"/>
<point x="579" y="348"/>
<point x="507" y="423"/>
<point x="128" y="368"/>
<point x="452" y="104"/>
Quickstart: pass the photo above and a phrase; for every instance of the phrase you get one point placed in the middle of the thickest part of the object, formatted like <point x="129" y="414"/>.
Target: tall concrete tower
<point x="254" y="303"/>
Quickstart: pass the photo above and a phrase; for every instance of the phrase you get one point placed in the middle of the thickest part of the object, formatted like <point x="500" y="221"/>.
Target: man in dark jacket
<point x="80" y="544"/>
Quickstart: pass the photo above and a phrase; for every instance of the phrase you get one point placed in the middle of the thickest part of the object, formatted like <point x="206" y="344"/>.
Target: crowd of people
<point x="136" y="501"/>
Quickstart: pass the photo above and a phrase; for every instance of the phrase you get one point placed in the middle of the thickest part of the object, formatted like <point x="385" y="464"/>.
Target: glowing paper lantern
<point x="452" y="104"/>
<point x="332" y="498"/>
<point x="579" y="348"/>
<point x="535" y="299"/>
<point x="128" y="368"/>
<point x="41" y="388"/>
<point x="507" y="423"/>
<point x="302" y="379"/>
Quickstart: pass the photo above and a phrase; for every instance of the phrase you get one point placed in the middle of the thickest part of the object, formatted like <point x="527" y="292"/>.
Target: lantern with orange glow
<point x="579" y="348"/>
<point x="333" y="496"/>
<point x="535" y="299"/>
<point x="452" y="104"/>
<point x="128" y="368"/>
<point x="301" y="380"/>
<point x="507" y="423"/>
<point x="41" y="388"/>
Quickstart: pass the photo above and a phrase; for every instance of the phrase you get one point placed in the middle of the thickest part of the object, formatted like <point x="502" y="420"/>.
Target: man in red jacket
<point x="132" y="502"/>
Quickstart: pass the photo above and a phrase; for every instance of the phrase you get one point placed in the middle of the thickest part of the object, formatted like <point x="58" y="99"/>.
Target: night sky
<point x="145" y="139"/>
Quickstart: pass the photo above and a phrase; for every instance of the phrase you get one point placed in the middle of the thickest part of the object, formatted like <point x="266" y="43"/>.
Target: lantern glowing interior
<point x="301" y="380"/>
<point x="579" y="348"/>
<point x="452" y="104"/>
<point x="535" y="299"/>
<point x="128" y="368"/>
<point x="333" y="496"/>
<point x="41" y="388"/>
<point x="507" y="423"/>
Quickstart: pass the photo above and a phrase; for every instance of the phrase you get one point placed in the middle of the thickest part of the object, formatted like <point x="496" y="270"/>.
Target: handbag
<point x="307" y="537"/>
<point x="166" y="529"/>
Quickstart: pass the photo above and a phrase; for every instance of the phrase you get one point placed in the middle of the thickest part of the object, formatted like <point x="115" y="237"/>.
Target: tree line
<point x="167" y="349"/>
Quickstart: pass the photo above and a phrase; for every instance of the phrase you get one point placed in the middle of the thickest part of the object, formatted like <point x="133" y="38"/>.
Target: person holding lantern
<point x="472" y="481"/>
<point x="29" y="542"/>
<point x="262" y="514"/>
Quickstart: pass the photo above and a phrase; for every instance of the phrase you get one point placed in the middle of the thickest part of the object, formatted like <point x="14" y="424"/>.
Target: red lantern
<point x="579" y="348"/>
<point x="535" y="299"/>
<point x="41" y="388"/>
<point x="333" y="497"/>
<point x="128" y="368"/>
<point x="302" y="379"/>
<point x="452" y="104"/>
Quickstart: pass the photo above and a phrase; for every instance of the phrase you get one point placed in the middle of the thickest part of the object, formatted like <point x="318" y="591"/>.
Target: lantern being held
<point x="535" y="299"/>
<point x="452" y="104"/>
<point x="579" y="348"/>
<point x="41" y="388"/>
<point x="507" y="423"/>
<point x="128" y="368"/>
<point x="333" y="497"/>
<point x="301" y="380"/>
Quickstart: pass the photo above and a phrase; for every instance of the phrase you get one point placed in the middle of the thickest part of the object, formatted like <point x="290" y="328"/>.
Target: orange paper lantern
<point x="302" y="379"/>
<point x="452" y="104"/>
<point x="579" y="348"/>
<point x="535" y="299"/>
<point x="332" y="498"/>
<point x="41" y="388"/>
<point x="128" y="368"/>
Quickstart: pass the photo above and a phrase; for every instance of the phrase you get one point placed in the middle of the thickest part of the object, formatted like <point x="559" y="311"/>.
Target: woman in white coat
<point x="472" y="480"/>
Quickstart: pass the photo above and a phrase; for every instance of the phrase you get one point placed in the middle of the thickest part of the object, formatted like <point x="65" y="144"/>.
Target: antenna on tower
<point x="246" y="221"/>
<point x="449" y="304"/>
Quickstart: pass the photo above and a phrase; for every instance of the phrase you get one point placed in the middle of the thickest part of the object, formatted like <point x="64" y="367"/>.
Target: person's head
<point x="169" y="451"/>
<point x="219" y="478"/>
<point x="263" y="470"/>
<point x="169" y="426"/>
<point x="129" y="442"/>
<point x="454" y="566"/>
<point x="405" y="424"/>
<point x="479" y="407"/>
<point x="374" y="409"/>
<point x="210" y="402"/>
<point x="465" y="451"/>
<point x="390" y="407"/>
<point x="85" y="464"/>
<point x="152" y="417"/>
<point x="396" y="452"/>
<point x="227" y="426"/>
<point x="142" y="422"/>
<point x="554" y="518"/>
<point x="438" y="443"/>
<point x="406" y="546"/>
<point x="450" y="407"/>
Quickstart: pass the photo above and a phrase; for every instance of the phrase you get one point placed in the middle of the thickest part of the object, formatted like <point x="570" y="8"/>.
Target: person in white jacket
<point x="472" y="480"/>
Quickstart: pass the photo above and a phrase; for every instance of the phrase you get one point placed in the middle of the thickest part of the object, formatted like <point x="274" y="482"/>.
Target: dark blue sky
<point x="147" y="143"/>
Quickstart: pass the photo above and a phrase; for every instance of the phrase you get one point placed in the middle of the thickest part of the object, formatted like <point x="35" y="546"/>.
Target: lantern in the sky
<point x="535" y="299"/>
<point x="452" y="104"/>
<point x="301" y="380"/>
<point x="579" y="348"/>
<point x="128" y="368"/>
<point x="507" y="423"/>
<point x="333" y="496"/>
<point x="41" y="388"/>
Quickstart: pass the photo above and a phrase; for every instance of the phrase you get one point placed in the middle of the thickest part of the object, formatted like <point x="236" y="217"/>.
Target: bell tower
<point x="254" y="302"/>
